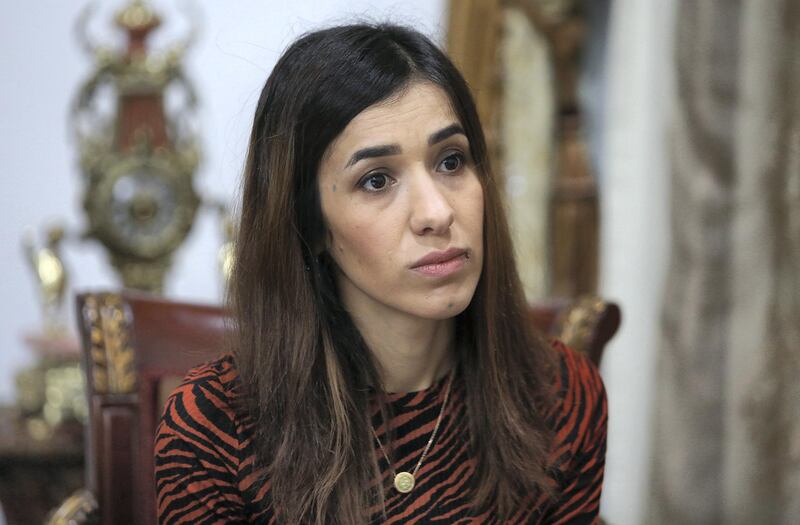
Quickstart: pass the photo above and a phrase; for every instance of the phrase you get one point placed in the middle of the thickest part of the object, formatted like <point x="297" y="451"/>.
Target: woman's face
<point x="403" y="208"/>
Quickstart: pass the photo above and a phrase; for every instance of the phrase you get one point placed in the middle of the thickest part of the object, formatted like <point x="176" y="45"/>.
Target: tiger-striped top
<point x="204" y="454"/>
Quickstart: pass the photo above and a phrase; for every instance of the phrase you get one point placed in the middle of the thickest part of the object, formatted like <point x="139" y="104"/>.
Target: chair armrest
<point x="80" y="508"/>
<point x="587" y="324"/>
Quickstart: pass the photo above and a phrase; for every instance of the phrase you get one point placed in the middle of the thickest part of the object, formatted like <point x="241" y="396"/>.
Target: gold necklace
<point x="404" y="481"/>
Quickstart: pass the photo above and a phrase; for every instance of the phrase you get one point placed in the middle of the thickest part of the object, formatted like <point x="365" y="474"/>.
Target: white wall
<point x="635" y="237"/>
<point x="39" y="181"/>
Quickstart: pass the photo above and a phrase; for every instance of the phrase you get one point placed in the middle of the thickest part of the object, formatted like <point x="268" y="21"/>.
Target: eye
<point x="374" y="182"/>
<point x="451" y="163"/>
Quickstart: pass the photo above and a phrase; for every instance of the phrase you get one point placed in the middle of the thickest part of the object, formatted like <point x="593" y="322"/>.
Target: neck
<point x="411" y="353"/>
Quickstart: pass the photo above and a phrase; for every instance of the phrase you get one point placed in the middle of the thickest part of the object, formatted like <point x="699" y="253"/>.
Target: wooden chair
<point x="137" y="347"/>
<point x="585" y="324"/>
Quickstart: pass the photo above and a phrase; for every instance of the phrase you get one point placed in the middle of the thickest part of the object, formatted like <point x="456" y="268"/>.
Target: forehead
<point x="413" y="114"/>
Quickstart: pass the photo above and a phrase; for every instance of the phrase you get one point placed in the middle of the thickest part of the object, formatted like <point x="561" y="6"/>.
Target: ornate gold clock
<point x="138" y="152"/>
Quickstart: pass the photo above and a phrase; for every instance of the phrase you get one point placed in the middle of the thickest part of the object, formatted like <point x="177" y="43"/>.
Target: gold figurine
<point x="50" y="392"/>
<point x="226" y="252"/>
<point x="51" y="277"/>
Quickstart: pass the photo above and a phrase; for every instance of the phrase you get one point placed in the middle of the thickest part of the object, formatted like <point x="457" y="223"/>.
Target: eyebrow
<point x="445" y="133"/>
<point x="374" y="151"/>
<point x="394" y="149"/>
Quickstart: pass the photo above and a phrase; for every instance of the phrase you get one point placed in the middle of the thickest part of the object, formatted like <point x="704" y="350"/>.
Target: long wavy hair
<point x="304" y="367"/>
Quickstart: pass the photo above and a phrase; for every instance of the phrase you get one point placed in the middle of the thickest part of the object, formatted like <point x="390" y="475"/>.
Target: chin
<point x="445" y="307"/>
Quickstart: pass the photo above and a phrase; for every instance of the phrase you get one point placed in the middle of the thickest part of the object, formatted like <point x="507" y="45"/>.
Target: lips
<point x="441" y="264"/>
<point x="439" y="257"/>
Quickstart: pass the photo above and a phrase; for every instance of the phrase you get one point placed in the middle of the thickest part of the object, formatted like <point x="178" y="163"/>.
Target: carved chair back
<point x="137" y="347"/>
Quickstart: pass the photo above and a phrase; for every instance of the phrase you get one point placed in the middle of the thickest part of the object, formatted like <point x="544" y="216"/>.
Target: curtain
<point x="727" y="413"/>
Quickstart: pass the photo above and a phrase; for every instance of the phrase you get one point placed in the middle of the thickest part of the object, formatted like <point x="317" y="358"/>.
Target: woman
<point x="382" y="366"/>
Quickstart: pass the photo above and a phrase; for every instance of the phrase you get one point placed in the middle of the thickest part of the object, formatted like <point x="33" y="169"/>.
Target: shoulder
<point x="576" y="373"/>
<point x="215" y="383"/>
<point x="578" y="421"/>
<point x="203" y="408"/>
<point x="219" y="375"/>
<point x="579" y="414"/>
<point x="198" y="449"/>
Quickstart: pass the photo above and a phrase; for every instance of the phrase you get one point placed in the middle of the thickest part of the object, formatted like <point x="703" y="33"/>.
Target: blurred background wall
<point x="626" y="96"/>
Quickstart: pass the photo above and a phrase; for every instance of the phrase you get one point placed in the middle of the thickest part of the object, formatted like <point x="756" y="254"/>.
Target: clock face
<point x="142" y="208"/>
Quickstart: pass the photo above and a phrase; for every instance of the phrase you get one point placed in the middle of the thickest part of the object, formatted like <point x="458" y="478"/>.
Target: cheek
<point x="472" y="210"/>
<point x="358" y="246"/>
<point x="479" y="207"/>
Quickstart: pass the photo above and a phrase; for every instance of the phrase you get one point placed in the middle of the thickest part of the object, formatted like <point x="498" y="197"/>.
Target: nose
<point x="431" y="212"/>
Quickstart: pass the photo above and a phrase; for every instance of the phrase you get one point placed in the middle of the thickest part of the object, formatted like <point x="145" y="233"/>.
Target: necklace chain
<point x="404" y="481"/>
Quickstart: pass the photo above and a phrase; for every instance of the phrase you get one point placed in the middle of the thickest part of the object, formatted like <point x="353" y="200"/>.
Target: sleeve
<point x="581" y="435"/>
<point x="196" y="458"/>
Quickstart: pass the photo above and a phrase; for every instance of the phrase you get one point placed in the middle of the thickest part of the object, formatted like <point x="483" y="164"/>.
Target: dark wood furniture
<point x="585" y="324"/>
<point x="136" y="347"/>
<point x="36" y="474"/>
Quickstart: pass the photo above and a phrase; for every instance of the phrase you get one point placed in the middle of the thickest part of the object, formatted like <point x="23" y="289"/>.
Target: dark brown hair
<point x="304" y="366"/>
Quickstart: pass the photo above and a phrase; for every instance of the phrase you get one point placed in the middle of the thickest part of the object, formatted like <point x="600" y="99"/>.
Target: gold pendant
<point x="404" y="482"/>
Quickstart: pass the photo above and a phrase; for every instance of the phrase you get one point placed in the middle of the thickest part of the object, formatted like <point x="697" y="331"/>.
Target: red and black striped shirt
<point x="205" y="455"/>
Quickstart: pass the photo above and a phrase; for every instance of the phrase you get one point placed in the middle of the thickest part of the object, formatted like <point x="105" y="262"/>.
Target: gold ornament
<point x="138" y="160"/>
<point x="405" y="481"/>
<point x="51" y="277"/>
